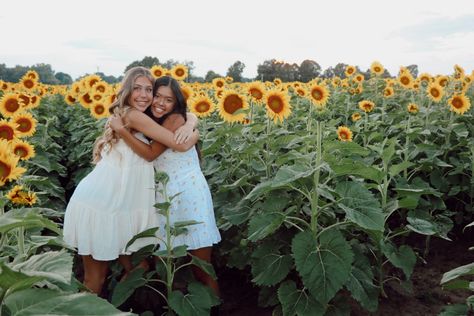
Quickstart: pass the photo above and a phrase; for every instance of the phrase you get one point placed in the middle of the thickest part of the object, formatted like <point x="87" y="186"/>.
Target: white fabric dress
<point x="112" y="204"/>
<point x="193" y="203"/>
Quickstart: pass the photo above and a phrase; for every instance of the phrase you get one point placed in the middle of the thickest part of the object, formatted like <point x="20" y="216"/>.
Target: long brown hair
<point x="120" y="106"/>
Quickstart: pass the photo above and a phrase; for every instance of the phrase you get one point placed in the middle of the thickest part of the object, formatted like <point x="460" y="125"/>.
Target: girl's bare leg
<point x="200" y="275"/>
<point x="126" y="262"/>
<point x="95" y="272"/>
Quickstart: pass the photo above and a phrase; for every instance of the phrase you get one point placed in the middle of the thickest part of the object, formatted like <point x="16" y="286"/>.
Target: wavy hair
<point x="120" y="106"/>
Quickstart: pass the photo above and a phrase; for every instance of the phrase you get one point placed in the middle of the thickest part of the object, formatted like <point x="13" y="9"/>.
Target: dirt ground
<point x="427" y="297"/>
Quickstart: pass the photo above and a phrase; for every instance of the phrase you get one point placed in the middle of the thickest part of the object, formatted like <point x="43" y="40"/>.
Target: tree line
<point x="267" y="71"/>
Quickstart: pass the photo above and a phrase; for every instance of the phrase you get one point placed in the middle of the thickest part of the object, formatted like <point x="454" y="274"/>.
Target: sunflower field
<point x="317" y="186"/>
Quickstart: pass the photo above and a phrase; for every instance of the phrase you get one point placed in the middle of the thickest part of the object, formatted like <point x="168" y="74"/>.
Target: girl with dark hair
<point x="115" y="200"/>
<point x="193" y="199"/>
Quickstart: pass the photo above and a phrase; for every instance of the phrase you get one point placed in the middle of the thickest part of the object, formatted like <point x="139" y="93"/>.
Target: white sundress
<point x="112" y="204"/>
<point x="193" y="203"/>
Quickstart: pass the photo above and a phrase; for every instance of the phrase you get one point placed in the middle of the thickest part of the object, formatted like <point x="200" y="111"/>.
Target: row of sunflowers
<point x="234" y="102"/>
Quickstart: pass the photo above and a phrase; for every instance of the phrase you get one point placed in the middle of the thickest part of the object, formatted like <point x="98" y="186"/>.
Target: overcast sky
<point x="79" y="37"/>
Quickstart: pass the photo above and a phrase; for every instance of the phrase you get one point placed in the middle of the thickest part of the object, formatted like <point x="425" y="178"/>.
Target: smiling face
<point x="142" y="93"/>
<point x="163" y="101"/>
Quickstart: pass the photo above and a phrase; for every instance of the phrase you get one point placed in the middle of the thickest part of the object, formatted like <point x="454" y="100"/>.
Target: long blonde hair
<point x="120" y="106"/>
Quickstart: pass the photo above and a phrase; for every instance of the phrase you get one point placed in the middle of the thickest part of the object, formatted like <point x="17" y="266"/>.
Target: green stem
<point x="427" y="113"/>
<point x="267" y="149"/>
<point x="315" y="196"/>
<point x="407" y="145"/>
<point x="21" y="241"/>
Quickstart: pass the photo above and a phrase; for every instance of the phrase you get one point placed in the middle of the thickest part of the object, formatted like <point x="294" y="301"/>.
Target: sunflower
<point x="157" y="71"/>
<point x="219" y="83"/>
<point x="426" y="77"/>
<point x="4" y="85"/>
<point x="70" y="99"/>
<point x="413" y="108"/>
<point x="85" y="100"/>
<point x="301" y="91"/>
<point x="91" y="80"/>
<point x="7" y="130"/>
<point x="230" y="103"/>
<point x="22" y="149"/>
<point x="435" y="92"/>
<point x="319" y="94"/>
<point x="406" y="79"/>
<point x="388" y="92"/>
<point x="33" y="75"/>
<point x="442" y="81"/>
<point x="277" y="105"/>
<point x="218" y="93"/>
<point x="350" y="70"/>
<point x="179" y="72"/>
<point x="377" y="68"/>
<point x="256" y="90"/>
<point x="14" y="193"/>
<point x="366" y="106"/>
<point x="229" y="79"/>
<point x="27" y="83"/>
<point x="18" y="196"/>
<point x="356" y="116"/>
<point x="24" y="124"/>
<point x="277" y="81"/>
<point x="101" y="87"/>
<point x="344" y="134"/>
<point x="28" y="198"/>
<point x="97" y="97"/>
<point x="187" y="92"/>
<point x="459" y="103"/>
<point x="202" y="106"/>
<point x="8" y="164"/>
<point x="99" y="110"/>
<point x="10" y="104"/>
<point x="25" y="99"/>
<point x="359" y="78"/>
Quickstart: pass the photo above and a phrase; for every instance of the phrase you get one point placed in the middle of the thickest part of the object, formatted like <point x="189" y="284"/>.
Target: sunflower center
<point x="457" y="103"/>
<point x="5" y="170"/>
<point x="12" y="105"/>
<point x="24" y="125"/>
<point x="344" y="135"/>
<point x="99" y="109"/>
<point x="377" y="69"/>
<point x="219" y="84"/>
<point x="21" y="151"/>
<point x="276" y="104"/>
<point x="256" y="93"/>
<point x="101" y="89"/>
<point x="28" y="83"/>
<point x="25" y="99"/>
<point x="434" y="92"/>
<point x="93" y="82"/>
<point x="179" y="72"/>
<point x="6" y="132"/>
<point x="317" y="94"/>
<point x="87" y="98"/>
<point x="232" y="103"/>
<point x="404" y="80"/>
<point x="202" y="107"/>
<point x="71" y="99"/>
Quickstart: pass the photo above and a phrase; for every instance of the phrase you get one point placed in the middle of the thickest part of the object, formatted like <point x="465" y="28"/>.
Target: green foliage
<point x="324" y="263"/>
<point x="47" y="302"/>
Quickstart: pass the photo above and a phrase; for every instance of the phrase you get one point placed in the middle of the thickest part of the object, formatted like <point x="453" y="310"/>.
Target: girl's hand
<point x="116" y="123"/>
<point x="183" y="134"/>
